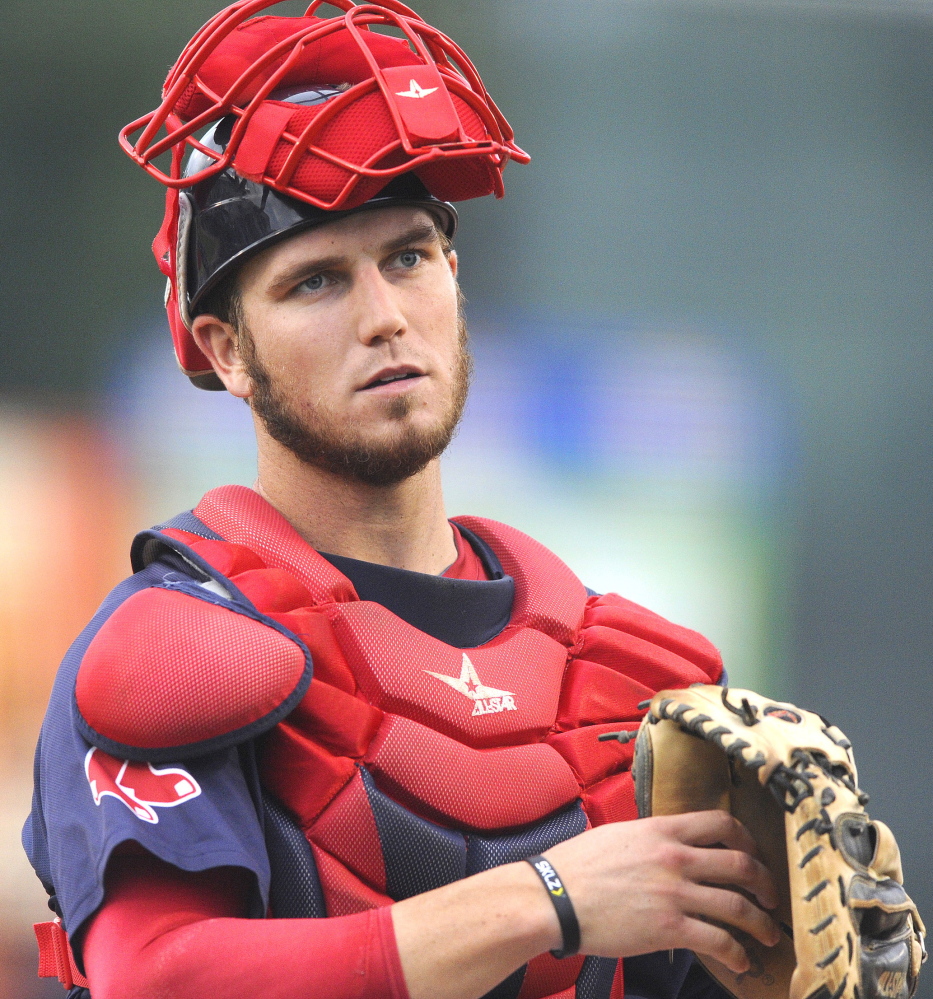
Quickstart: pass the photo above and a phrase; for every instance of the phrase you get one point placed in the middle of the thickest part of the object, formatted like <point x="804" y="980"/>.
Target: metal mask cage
<point x="436" y="51"/>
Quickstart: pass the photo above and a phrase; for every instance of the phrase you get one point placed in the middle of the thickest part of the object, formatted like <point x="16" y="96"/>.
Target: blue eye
<point x="409" y="258"/>
<point x="314" y="283"/>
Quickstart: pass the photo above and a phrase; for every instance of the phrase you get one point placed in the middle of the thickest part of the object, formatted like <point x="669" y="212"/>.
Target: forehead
<point x="363" y="233"/>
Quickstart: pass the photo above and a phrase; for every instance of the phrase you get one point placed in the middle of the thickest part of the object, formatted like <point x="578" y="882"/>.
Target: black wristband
<point x="569" y="927"/>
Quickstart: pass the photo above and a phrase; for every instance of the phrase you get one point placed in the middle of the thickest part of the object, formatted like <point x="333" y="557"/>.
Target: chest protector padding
<point x="410" y="763"/>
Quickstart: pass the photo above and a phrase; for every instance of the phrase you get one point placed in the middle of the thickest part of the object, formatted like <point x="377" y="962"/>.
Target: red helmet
<point x="396" y="106"/>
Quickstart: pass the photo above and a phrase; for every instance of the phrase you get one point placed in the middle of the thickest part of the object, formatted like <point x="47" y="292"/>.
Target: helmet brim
<point x="227" y="233"/>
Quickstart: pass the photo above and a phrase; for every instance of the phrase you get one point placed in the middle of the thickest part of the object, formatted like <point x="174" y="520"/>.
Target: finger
<point x="715" y="942"/>
<point x="731" y="867"/>
<point x="711" y="828"/>
<point x="734" y="909"/>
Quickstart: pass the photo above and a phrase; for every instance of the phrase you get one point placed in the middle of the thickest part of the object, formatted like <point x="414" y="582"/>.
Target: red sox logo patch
<point x="139" y="786"/>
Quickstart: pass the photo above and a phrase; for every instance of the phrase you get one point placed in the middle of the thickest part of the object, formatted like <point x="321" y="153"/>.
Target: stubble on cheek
<point x="317" y="437"/>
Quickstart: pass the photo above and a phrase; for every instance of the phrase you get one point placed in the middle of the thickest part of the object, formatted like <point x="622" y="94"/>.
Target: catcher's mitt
<point x="850" y="929"/>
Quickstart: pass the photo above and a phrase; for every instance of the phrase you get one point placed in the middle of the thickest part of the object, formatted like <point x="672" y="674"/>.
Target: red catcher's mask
<point x="408" y="105"/>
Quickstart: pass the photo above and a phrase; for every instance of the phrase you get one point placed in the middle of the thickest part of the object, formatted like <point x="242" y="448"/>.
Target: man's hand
<point x="637" y="887"/>
<point x="657" y="883"/>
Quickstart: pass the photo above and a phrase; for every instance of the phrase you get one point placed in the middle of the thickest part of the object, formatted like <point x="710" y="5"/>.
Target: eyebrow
<point x="420" y="232"/>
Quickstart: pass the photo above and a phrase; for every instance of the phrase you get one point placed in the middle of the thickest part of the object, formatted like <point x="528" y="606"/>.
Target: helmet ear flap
<point x="171" y="248"/>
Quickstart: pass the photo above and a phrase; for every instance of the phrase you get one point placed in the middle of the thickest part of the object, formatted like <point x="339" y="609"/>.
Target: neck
<point x="402" y="525"/>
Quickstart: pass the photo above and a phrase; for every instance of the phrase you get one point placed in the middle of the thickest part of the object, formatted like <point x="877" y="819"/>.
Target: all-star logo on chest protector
<point x="487" y="700"/>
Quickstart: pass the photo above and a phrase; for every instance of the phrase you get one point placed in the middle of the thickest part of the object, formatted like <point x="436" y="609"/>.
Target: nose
<point x="380" y="313"/>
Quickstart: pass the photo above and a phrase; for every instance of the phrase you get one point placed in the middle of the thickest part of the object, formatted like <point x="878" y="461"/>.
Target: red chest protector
<point x="481" y="742"/>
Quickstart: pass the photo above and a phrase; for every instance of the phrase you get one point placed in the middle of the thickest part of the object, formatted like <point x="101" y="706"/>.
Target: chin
<point x="394" y="432"/>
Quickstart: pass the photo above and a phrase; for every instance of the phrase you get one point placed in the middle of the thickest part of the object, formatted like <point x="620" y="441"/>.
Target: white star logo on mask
<point x="415" y="91"/>
<point x="486" y="700"/>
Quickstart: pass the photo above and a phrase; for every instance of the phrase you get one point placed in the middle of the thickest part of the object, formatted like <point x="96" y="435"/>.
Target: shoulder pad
<point x="179" y="671"/>
<point x="691" y="657"/>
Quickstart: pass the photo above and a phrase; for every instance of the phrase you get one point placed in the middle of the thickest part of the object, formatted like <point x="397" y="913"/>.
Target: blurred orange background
<point x="66" y="511"/>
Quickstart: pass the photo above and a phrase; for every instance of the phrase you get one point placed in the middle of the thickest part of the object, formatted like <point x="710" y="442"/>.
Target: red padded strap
<point x="244" y="517"/>
<point x="615" y="612"/>
<point x="344" y="893"/>
<point x="185" y="537"/>
<point x="55" y="957"/>
<point x="347" y="831"/>
<point x="548" y="596"/>
<point x="421" y="100"/>
<point x="227" y="558"/>
<point x="262" y="136"/>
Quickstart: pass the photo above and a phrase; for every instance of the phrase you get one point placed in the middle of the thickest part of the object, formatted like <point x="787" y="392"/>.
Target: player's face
<point x="354" y="348"/>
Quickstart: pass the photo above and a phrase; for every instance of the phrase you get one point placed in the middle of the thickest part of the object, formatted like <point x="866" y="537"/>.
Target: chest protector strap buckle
<point x="55" y="957"/>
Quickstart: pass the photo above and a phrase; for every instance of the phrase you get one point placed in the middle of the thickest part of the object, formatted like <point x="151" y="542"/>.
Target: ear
<point x="453" y="262"/>
<point x="218" y="343"/>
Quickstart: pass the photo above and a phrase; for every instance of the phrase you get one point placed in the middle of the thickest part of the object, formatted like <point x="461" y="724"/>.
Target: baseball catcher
<point x="324" y="741"/>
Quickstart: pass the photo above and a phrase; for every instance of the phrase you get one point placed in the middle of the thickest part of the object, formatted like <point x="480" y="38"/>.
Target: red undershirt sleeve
<point x="165" y="932"/>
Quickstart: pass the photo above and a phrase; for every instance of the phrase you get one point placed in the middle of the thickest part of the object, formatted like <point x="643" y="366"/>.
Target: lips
<point x="390" y="376"/>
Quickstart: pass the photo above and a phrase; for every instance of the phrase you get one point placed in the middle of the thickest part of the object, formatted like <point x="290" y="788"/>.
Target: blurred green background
<point x="702" y="319"/>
